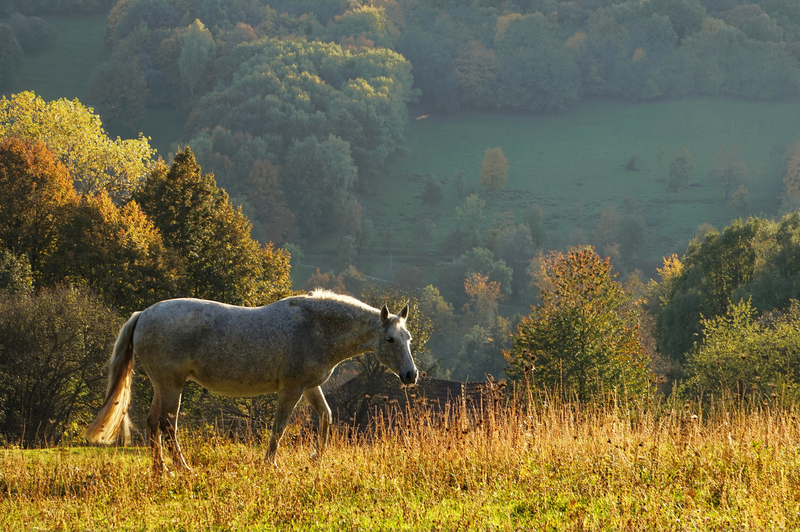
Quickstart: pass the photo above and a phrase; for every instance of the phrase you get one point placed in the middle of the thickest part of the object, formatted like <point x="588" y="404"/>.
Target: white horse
<point x="289" y="347"/>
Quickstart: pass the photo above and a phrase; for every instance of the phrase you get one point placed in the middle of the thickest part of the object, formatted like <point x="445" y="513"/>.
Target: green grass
<point x="65" y="69"/>
<point x="571" y="164"/>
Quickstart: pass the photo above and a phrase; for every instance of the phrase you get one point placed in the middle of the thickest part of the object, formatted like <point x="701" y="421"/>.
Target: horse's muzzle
<point x="410" y="376"/>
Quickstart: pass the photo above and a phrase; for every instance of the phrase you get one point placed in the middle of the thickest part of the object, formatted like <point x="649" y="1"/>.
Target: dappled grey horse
<point x="289" y="347"/>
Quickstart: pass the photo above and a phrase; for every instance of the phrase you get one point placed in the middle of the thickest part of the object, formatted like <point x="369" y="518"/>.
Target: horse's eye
<point x="390" y="339"/>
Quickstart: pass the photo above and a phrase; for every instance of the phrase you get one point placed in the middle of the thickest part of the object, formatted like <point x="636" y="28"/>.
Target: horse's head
<point x="392" y="345"/>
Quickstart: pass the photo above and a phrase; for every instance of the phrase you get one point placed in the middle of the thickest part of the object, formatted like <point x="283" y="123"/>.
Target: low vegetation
<point x="535" y="464"/>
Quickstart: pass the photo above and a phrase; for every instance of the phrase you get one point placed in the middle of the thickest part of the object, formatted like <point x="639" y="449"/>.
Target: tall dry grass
<point x="528" y="464"/>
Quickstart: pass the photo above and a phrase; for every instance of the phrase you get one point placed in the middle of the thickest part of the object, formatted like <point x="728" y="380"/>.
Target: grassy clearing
<point x="561" y="467"/>
<point x="571" y="164"/>
<point x="65" y="70"/>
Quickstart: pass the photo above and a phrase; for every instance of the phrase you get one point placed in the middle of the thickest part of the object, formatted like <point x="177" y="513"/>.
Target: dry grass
<point x="557" y="467"/>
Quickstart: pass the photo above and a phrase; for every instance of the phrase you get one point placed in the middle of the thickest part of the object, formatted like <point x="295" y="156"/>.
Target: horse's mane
<point x="321" y="293"/>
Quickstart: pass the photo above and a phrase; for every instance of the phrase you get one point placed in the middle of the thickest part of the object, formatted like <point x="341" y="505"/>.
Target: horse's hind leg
<point x="155" y="437"/>
<point x="317" y="400"/>
<point x="168" y="422"/>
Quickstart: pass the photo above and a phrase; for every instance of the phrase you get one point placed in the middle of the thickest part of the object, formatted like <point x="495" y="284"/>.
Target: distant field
<point x="65" y="70"/>
<point x="572" y="165"/>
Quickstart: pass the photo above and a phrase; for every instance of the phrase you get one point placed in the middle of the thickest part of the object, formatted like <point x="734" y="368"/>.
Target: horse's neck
<point x="350" y="330"/>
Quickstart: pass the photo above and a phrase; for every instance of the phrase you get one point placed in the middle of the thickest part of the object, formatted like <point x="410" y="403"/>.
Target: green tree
<point x="119" y="94"/>
<point x="196" y="55"/>
<point x="728" y="170"/>
<point x="681" y="166"/>
<point x="584" y="337"/>
<point x="35" y="195"/>
<point x="712" y="270"/>
<point x="272" y="219"/>
<point x="321" y="176"/>
<point x="476" y="70"/>
<point x="494" y="169"/>
<point x="467" y="233"/>
<point x="212" y="239"/>
<point x="11" y="56"/>
<point x="75" y="135"/>
<point x="290" y="90"/>
<point x="537" y="72"/>
<point x="742" y="356"/>
<point x="481" y="350"/>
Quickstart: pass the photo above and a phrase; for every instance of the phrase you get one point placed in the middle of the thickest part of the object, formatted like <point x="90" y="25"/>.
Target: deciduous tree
<point x="728" y="171"/>
<point x="35" y="195"/>
<point x="119" y="95"/>
<point x="584" y="337"/>
<point x="75" y="135"/>
<point x="196" y="55"/>
<point x="681" y="166"/>
<point x="494" y="169"/>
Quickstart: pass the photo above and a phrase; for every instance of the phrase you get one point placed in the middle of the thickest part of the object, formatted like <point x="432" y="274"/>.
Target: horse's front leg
<point x="316" y="399"/>
<point x="287" y="400"/>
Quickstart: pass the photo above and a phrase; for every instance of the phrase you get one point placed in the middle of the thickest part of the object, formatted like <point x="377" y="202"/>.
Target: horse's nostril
<point x="411" y="376"/>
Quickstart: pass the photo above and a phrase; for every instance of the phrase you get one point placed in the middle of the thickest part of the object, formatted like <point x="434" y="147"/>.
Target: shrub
<point x="33" y="33"/>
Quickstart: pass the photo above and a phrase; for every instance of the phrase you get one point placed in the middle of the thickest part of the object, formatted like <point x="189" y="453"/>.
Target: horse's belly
<point x="236" y="388"/>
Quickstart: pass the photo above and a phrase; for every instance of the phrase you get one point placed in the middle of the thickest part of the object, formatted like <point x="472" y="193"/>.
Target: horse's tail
<point x="113" y="414"/>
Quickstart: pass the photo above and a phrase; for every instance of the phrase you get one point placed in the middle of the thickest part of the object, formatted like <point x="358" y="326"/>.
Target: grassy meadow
<point x="561" y="467"/>
<point x="572" y="165"/>
<point x="65" y="69"/>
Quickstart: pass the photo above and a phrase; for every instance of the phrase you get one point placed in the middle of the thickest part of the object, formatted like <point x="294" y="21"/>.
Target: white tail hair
<point x="113" y="414"/>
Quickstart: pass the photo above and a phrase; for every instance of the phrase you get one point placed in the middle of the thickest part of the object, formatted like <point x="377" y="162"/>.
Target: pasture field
<point x="561" y="467"/>
<point x="65" y="69"/>
<point x="572" y="165"/>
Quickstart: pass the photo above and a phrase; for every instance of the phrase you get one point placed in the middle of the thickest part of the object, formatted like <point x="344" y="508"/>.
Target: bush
<point x="33" y="33"/>
<point x="53" y="346"/>
<point x="10" y="55"/>
<point x="746" y="357"/>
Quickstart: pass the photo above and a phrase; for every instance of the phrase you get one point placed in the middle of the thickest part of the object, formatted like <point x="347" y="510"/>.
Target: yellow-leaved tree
<point x="75" y="135"/>
<point x="494" y="170"/>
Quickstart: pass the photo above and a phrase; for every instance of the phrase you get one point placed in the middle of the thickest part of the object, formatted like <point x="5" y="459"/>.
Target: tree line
<point x="297" y="107"/>
<point x="722" y="320"/>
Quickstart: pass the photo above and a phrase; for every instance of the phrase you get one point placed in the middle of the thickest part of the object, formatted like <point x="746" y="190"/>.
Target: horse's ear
<point x="404" y="313"/>
<point x="384" y="313"/>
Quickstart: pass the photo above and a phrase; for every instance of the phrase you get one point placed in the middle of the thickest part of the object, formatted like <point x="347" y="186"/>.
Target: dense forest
<point x="293" y="114"/>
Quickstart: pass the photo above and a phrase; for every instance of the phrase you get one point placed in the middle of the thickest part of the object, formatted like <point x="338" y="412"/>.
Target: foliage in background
<point x="33" y="33"/>
<point x="75" y="135"/>
<point x="212" y="239"/>
<point x="119" y="94"/>
<point x="11" y="55"/>
<point x="756" y="258"/>
<point x="53" y="349"/>
<point x="745" y="357"/>
<point x="583" y="340"/>
<point x="37" y="194"/>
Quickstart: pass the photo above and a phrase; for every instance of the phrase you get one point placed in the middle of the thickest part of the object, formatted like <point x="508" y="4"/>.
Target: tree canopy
<point x="75" y="135"/>
<point x="584" y="337"/>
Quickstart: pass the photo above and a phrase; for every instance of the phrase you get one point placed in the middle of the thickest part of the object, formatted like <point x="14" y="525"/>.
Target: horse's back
<point x="229" y="349"/>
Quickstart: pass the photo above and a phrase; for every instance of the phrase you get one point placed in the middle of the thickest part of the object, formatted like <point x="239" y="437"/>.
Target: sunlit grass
<point x="562" y="467"/>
